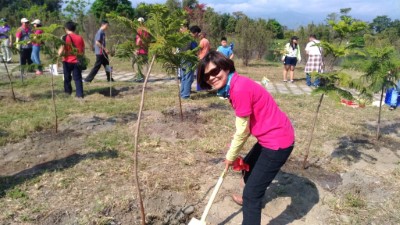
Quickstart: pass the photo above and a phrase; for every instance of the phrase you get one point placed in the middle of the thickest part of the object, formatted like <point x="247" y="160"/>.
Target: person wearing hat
<point x="291" y="57"/>
<point x="141" y="58"/>
<point x="25" y="48"/>
<point x="101" y="53"/>
<point x="35" y="57"/>
<point x="5" y="40"/>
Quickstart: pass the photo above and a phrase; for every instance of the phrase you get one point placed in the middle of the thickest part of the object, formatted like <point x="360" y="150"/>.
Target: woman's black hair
<point x="219" y="60"/>
<point x="294" y="46"/>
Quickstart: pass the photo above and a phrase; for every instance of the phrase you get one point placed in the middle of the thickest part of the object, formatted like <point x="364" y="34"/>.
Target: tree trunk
<point x="136" y="141"/>
<point x="54" y="101"/>
<point x="312" y="132"/>
<point x="9" y="79"/>
<point x="378" y="129"/>
<point x="180" y="99"/>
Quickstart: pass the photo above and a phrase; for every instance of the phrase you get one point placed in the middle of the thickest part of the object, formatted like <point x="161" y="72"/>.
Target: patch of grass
<point x="66" y="182"/>
<point x="26" y="218"/>
<point x="354" y="200"/>
<point x="17" y="193"/>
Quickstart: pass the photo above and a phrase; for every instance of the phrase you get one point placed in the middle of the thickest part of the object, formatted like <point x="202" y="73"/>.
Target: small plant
<point x="17" y="193"/>
<point x="354" y="200"/>
<point x="347" y="31"/>
<point x="162" y="27"/>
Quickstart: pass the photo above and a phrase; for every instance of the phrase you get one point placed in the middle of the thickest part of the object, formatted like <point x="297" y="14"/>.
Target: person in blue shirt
<point x="225" y="49"/>
<point x="395" y="95"/>
<point x="186" y="72"/>
<point x="101" y="54"/>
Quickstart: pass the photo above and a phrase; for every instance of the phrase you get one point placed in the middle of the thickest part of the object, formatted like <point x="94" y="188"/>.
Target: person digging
<point x="257" y="114"/>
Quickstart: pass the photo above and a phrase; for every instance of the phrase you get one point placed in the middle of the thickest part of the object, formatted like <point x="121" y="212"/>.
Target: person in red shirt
<point x="141" y="54"/>
<point x="25" y="49"/>
<point x="74" y="45"/>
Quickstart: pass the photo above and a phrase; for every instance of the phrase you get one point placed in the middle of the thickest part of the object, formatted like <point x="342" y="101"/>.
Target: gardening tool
<point x="202" y="221"/>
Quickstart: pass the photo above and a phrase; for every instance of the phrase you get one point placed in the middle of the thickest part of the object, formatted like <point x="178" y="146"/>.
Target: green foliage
<point x="381" y="69"/>
<point x="380" y="23"/>
<point x="347" y="26"/>
<point x="163" y="28"/>
<point x="349" y="40"/>
<point x="354" y="200"/>
<point x="173" y="5"/>
<point x="46" y="10"/>
<point x="276" y="28"/>
<point x="245" y="31"/>
<point x="17" y="193"/>
<point x="50" y="41"/>
<point x="75" y="10"/>
<point x="335" y="84"/>
<point x="122" y="7"/>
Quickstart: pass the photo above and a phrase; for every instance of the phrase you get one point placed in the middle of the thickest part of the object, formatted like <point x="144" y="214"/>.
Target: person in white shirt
<point x="314" y="62"/>
<point x="290" y="58"/>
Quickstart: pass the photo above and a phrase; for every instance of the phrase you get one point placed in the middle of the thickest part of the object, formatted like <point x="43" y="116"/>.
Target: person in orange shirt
<point x="204" y="48"/>
<point x="204" y="45"/>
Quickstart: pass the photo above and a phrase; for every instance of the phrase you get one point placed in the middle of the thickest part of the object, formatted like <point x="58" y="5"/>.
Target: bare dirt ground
<point x="68" y="178"/>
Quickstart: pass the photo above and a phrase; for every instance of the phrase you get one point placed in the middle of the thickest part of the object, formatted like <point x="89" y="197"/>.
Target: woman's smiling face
<point x="215" y="77"/>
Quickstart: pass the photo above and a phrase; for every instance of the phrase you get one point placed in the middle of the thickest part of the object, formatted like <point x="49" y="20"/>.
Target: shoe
<point x="139" y="80"/>
<point x="392" y="108"/>
<point x="85" y="81"/>
<point x="284" y="80"/>
<point x="112" y="79"/>
<point x="238" y="199"/>
<point x="291" y="81"/>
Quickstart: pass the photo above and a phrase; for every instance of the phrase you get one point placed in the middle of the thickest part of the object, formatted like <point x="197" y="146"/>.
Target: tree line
<point x="254" y="38"/>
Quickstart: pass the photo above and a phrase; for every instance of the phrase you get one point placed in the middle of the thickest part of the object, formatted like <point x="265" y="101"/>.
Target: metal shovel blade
<point x="195" y="221"/>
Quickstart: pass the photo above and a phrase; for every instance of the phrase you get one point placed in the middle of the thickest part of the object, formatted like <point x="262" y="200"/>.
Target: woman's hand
<point x="228" y="164"/>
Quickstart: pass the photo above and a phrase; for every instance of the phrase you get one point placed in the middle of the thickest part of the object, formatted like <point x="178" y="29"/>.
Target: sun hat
<point x="37" y="21"/>
<point x="141" y="19"/>
<point x="24" y="20"/>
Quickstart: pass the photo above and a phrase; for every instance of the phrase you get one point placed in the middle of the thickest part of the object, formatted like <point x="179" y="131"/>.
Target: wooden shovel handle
<point x="213" y="195"/>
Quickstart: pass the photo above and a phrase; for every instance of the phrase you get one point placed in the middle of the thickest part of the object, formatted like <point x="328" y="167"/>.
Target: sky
<point x="294" y="13"/>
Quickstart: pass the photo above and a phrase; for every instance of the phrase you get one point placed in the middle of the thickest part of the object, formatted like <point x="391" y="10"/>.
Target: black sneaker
<point x="138" y="80"/>
<point x="112" y="79"/>
<point x="392" y="108"/>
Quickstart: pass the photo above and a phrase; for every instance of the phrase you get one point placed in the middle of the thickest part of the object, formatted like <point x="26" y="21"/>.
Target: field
<point x="83" y="174"/>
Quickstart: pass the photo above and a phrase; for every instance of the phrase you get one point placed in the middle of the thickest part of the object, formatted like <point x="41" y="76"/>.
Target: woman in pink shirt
<point x="257" y="114"/>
